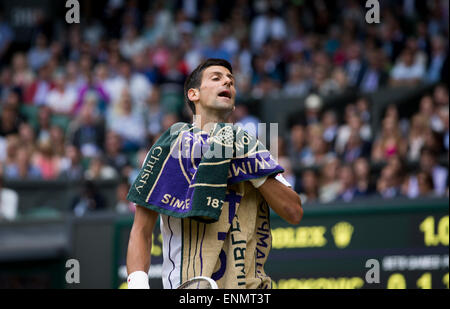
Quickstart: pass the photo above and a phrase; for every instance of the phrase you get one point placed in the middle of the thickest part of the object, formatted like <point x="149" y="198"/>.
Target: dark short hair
<point x="194" y="80"/>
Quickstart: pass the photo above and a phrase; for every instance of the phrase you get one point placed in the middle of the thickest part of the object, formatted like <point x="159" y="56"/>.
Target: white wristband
<point x="258" y="182"/>
<point x="138" y="280"/>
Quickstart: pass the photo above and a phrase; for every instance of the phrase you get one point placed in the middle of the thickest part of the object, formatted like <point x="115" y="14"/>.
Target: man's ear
<point x="193" y="94"/>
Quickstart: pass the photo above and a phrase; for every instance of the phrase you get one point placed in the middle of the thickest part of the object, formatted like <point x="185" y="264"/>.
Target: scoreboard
<point x="381" y="244"/>
<point x="390" y="245"/>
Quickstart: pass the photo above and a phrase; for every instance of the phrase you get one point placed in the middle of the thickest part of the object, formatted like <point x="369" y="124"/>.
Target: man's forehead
<point x="217" y="68"/>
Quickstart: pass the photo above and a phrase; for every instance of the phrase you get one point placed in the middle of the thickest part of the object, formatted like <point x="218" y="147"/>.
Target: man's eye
<point x="216" y="78"/>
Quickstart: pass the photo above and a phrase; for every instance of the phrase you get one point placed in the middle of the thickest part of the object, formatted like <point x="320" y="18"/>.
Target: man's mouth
<point x="225" y="94"/>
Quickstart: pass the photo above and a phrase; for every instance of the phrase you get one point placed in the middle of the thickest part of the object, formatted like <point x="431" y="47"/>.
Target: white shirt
<point x="8" y="204"/>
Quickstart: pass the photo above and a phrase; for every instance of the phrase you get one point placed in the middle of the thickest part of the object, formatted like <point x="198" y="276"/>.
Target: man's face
<point x="217" y="90"/>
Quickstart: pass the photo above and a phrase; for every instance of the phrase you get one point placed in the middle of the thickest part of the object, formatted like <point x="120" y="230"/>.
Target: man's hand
<point x="283" y="200"/>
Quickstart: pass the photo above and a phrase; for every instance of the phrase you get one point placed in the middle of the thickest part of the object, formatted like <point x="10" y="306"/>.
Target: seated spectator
<point x="9" y="200"/>
<point x="407" y="71"/>
<point x="99" y="170"/>
<point x="416" y="138"/>
<point x="353" y="123"/>
<point x="390" y="142"/>
<point x="123" y="206"/>
<point x="9" y="121"/>
<point x="90" y="200"/>
<point x="58" y="140"/>
<point x="355" y="148"/>
<point x="389" y="183"/>
<point x="297" y="144"/>
<point x="245" y="120"/>
<point x="363" y="181"/>
<point x="12" y="144"/>
<point x="429" y="164"/>
<point x="71" y="165"/>
<point x="127" y="122"/>
<point x="61" y="99"/>
<point x="39" y="54"/>
<point x="23" y="76"/>
<point x="46" y="160"/>
<point x="23" y="168"/>
<point x="318" y="150"/>
<point x="92" y="91"/>
<point x="310" y="187"/>
<point x="330" y="127"/>
<point x="27" y="137"/>
<point x="436" y="63"/>
<point x="329" y="181"/>
<point x="131" y="44"/>
<point x="348" y="190"/>
<point x="44" y="124"/>
<point x="113" y="155"/>
<point x="37" y="92"/>
<point x="87" y="132"/>
<point x="297" y="84"/>
<point x="375" y="76"/>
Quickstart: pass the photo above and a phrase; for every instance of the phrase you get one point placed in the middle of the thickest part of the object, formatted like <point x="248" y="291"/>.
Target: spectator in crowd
<point x="297" y="84"/>
<point x="37" y="92"/>
<point x="113" y="152"/>
<point x="9" y="199"/>
<point x="429" y="164"/>
<point x="353" y="124"/>
<point x="330" y="184"/>
<point x="6" y="36"/>
<point x="316" y="153"/>
<point x="310" y="187"/>
<point x="297" y="143"/>
<point x="89" y="200"/>
<point x="44" y="124"/>
<point x="127" y="123"/>
<point x="10" y="121"/>
<point x="330" y="127"/>
<point x="123" y="206"/>
<point x="348" y="190"/>
<point x="46" y="160"/>
<point x="407" y="71"/>
<point x="99" y="170"/>
<point x="71" y="164"/>
<point x="375" y="76"/>
<point x="390" y="142"/>
<point x="27" y="137"/>
<point x="23" y="168"/>
<point x="388" y="185"/>
<point x="436" y="62"/>
<point x="23" y="75"/>
<point x="39" y="54"/>
<point x="364" y="185"/>
<point x="61" y="99"/>
<point x="87" y="132"/>
<point x="417" y="135"/>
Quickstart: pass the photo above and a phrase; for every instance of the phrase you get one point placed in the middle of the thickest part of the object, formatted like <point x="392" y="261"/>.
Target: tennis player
<point x="232" y="248"/>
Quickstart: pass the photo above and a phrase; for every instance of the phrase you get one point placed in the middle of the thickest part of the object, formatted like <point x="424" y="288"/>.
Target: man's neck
<point x="205" y="121"/>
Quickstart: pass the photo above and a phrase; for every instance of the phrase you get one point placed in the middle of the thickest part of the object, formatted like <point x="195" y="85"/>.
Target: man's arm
<point x="283" y="200"/>
<point x="140" y="244"/>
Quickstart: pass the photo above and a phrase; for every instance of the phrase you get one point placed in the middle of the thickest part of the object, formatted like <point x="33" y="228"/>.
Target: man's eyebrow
<point x="220" y="73"/>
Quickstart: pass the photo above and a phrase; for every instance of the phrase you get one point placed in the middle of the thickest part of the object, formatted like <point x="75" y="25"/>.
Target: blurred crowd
<point x="86" y="101"/>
